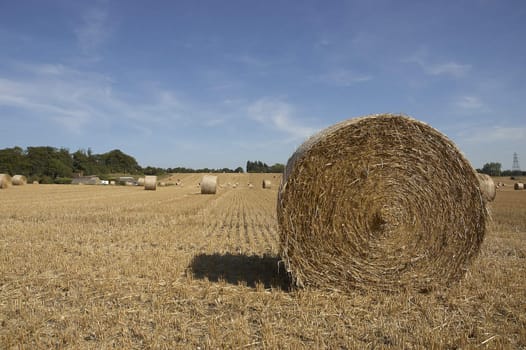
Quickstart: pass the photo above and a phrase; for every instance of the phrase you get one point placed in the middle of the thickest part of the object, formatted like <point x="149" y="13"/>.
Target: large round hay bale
<point x="19" y="180"/>
<point x="209" y="184"/>
<point x="5" y="181"/>
<point x="140" y="181"/>
<point x="518" y="186"/>
<point x="150" y="182"/>
<point x="266" y="184"/>
<point x="379" y="202"/>
<point x="487" y="186"/>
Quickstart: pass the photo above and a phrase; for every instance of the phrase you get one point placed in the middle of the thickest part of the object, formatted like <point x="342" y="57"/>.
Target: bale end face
<point x="5" y="181"/>
<point x="487" y="187"/>
<point x="380" y="202"/>
<point x="19" y="180"/>
<point x="150" y="183"/>
<point x="208" y="184"/>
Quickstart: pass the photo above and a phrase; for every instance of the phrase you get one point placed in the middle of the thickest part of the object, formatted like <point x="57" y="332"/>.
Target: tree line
<point x="260" y="167"/>
<point x="495" y="169"/>
<point x="58" y="165"/>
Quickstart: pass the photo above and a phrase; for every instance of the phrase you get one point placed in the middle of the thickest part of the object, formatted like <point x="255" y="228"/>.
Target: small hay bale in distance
<point x="19" y="180"/>
<point x="150" y="183"/>
<point x="382" y="202"/>
<point x="5" y="181"/>
<point x="266" y="184"/>
<point x="208" y="184"/>
<point x="487" y="187"/>
<point x="140" y="181"/>
<point x="518" y="186"/>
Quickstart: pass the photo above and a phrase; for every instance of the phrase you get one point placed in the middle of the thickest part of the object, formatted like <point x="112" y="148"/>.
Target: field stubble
<point x="120" y="267"/>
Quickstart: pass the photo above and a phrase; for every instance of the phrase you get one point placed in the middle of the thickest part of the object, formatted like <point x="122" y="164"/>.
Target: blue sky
<point x="217" y="83"/>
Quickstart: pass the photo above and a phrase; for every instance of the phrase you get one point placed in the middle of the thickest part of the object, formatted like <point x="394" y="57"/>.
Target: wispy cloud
<point x="93" y="30"/>
<point x="450" y="68"/>
<point x="344" y="78"/>
<point x="280" y="116"/>
<point x="75" y="100"/>
<point x="250" y="60"/>
<point x="470" y="103"/>
<point x="492" y="134"/>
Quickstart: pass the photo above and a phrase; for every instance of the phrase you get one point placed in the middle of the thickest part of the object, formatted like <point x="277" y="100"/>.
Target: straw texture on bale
<point x="5" y="181"/>
<point x="266" y="184"/>
<point x="19" y="180"/>
<point x="379" y="202"/>
<point x="487" y="186"/>
<point x="518" y="186"/>
<point x="150" y="183"/>
<point x="208" y="184"/>
<point x="140" y="181"/>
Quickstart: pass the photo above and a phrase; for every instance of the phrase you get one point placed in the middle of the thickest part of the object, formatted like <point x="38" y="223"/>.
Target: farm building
<point x="86" y="180"/>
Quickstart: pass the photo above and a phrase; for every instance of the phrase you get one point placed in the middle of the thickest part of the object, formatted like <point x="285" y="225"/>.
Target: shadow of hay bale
<point x="241" y="268"/>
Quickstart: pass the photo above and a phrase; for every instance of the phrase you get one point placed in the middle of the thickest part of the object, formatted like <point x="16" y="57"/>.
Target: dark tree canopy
<point x="260" y="167"/>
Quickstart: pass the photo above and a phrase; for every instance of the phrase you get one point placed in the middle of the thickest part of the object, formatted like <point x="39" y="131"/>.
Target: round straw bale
<point x="35" y="182"/>
<point x="208" y="184"/>
<point x="266" y="184"/>
<point x="379" y="202"/>
<point x="140" y="181"/>
<point x="518" y="186"/>
<point x="19" y="180"/>
<point x="5" y="181"/>
<point x="487" y="186"/>
<point x="150" y="182"/>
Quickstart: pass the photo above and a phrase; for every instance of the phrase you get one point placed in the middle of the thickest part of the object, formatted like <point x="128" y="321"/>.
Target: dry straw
<point x="140" y="181"/>
<point x="209" y="184"/>
<point x="518" y="186"/>
<point x="19" y="180"/>
<point x="5" y="181"/>
<point x="487" y="186"/>
<point x="150" y="183"/>
<point x="379" y="202"/>
<point x="266" y="184"/>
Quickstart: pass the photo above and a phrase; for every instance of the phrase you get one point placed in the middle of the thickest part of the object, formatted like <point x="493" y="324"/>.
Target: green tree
<point x="492" y="169"/>
<point x="14" y="161"/>
<point x="277" y="168"/>
<point x="81" y="162"/>
<point x="118" y="162"/>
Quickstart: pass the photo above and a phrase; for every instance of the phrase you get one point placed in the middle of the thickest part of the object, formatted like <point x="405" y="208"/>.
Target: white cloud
<point x="73" y="100"/>
<point x="93" y="30"/>
<point x="470" y="103"/>
<point x="279" y="115"/>
<point x="493" y="134"/>
<point x="249" y="60"/>
<point x="450" y="68"/>
<point x="344" y="78"/>
<point x="453" y="69"/>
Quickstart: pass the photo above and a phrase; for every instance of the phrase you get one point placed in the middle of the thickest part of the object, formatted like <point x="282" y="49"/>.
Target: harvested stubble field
<point x="96" y="267"/>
